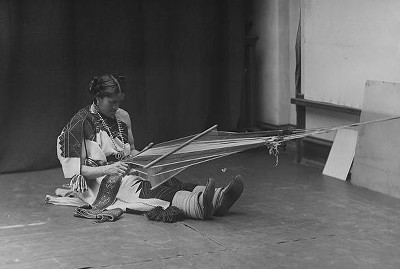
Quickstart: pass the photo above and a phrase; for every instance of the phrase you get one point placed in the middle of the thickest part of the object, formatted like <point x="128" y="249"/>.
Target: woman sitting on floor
<point x="90" y="149"/>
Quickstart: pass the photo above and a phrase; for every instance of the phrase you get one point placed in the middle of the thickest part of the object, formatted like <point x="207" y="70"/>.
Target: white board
<point x="376" y="163"/>
<point x="341" y="155"/>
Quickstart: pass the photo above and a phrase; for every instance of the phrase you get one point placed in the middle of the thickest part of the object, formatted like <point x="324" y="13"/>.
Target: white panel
<point x="341" y="155"/>
<point x="377" y="161"/>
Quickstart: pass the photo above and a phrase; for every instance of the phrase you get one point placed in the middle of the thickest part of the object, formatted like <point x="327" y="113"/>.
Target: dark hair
<point x="106" y="85"/>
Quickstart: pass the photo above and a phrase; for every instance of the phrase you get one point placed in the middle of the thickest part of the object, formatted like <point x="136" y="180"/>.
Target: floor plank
<point x="290" y="216"/>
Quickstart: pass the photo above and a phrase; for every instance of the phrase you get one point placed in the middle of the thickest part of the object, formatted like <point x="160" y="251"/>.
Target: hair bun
<point x="93" y="86"/>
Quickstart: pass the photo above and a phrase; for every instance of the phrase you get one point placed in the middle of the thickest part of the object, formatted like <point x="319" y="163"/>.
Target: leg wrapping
<point x="225" y="197"/>
<point x="197" y="205"/>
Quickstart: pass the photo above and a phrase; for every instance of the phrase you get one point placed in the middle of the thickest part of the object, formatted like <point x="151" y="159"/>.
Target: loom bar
<point x="181" y="146"/>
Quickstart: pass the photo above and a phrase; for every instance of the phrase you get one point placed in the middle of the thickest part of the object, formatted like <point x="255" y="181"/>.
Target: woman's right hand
<point x="116" y="169"/>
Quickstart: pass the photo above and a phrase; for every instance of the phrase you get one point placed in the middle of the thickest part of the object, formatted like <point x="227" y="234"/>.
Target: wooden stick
<point x="179" y="147"/>
<point x="143" y="150"/>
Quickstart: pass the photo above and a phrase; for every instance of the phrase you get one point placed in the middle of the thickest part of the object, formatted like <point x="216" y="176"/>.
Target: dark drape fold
<point x="298" y="59"/>
<point x="183" y="62"/>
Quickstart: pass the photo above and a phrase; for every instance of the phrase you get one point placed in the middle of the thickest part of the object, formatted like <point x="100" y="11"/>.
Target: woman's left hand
<point x="133" y="172"/>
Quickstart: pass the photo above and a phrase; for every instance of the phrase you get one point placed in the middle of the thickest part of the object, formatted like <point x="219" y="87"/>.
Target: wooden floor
<point x="290" y="216"/>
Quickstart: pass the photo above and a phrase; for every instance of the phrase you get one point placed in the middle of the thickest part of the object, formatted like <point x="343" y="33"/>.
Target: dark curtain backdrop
<point x="183" y="60"/>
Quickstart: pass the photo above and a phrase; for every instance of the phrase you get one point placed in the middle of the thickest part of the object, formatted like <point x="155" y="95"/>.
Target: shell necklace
<point x="120" y="153"/>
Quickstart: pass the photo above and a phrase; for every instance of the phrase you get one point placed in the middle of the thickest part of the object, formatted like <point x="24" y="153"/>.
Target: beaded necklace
<point x="120" y="153"/>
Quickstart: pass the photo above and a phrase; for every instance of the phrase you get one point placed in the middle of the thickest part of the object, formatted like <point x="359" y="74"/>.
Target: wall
<point x="276" y="23"/>
<point x="344" y="44"/>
